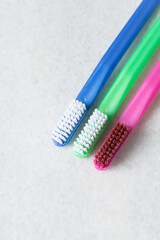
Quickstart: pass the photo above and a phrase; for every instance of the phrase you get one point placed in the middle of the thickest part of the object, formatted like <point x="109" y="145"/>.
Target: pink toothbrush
<point x="128" y="120"/>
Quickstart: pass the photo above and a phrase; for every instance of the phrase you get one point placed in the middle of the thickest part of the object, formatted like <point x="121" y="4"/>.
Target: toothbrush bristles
<point x="111" y="145"/>
<point x="90" y="133"/>
<point x="69" y="123"/>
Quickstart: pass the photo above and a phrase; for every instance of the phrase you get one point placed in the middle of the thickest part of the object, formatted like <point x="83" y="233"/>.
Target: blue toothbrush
<point x="75" y="113"/>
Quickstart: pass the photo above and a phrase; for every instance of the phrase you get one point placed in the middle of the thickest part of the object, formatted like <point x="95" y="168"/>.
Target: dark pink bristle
<point x="111" y="145"/>
<point x="103" y="159"/>
<point x="113" y="151"/>
<point x="106" y="162"/>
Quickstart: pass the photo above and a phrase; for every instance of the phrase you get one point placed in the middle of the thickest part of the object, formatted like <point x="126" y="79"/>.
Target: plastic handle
<point x="111" y="58"/>
<point x="142" y="98"/>
<point x="131" y="71"/>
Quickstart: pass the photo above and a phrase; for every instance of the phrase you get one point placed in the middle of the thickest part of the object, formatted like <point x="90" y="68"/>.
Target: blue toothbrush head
<point x="69" y="123"/>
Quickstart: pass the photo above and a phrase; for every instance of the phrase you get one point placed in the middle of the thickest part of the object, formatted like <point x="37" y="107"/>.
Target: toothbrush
<point x="128" y="120"/>
<point x="75" y="113"/>
<point x="115" y="96"/>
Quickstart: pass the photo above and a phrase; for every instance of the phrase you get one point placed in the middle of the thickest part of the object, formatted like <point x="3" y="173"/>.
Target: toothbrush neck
<point x="143" y="98"/>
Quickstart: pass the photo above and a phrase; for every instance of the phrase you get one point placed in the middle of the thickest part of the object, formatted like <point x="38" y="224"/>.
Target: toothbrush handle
<point x="131" y="71"/>
<point x="142" y="98"/>
<point x="111" y="58"/>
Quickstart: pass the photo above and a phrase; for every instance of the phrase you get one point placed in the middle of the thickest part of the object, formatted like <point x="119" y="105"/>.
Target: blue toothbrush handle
<point x="115" y="52"/>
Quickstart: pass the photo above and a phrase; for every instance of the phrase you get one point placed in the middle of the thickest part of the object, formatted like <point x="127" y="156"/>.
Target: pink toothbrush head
<point x="128" y="120"/>
<point x="111" y="146"/>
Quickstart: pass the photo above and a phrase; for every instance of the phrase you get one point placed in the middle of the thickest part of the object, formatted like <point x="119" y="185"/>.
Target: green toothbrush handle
<point x="131" y="71"/>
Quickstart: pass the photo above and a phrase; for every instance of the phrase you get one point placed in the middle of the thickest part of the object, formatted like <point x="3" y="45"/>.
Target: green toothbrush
<point x="115" y="96"/>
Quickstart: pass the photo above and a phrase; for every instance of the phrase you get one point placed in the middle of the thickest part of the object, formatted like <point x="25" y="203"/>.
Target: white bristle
<point x="90" y="132"/>
<point x="69" y="121"/>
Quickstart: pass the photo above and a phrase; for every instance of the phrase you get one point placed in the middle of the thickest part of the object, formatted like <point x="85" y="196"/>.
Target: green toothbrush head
<point x="90" y="134"/>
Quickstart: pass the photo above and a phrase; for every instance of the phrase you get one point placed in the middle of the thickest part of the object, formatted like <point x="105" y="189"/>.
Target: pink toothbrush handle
<point x="142" y="98"/>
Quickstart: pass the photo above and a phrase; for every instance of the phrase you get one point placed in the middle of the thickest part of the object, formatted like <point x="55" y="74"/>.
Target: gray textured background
<point x="48" y="49"/>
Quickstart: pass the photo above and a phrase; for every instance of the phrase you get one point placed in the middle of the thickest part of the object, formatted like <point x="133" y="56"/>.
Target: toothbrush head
<point x="111" y="146"/>
<point x="69" y="123"/>
<point x="90" y="134"/>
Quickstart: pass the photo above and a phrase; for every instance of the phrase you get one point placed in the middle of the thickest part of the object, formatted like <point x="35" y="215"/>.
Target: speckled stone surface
<point x="48" y="49"/>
